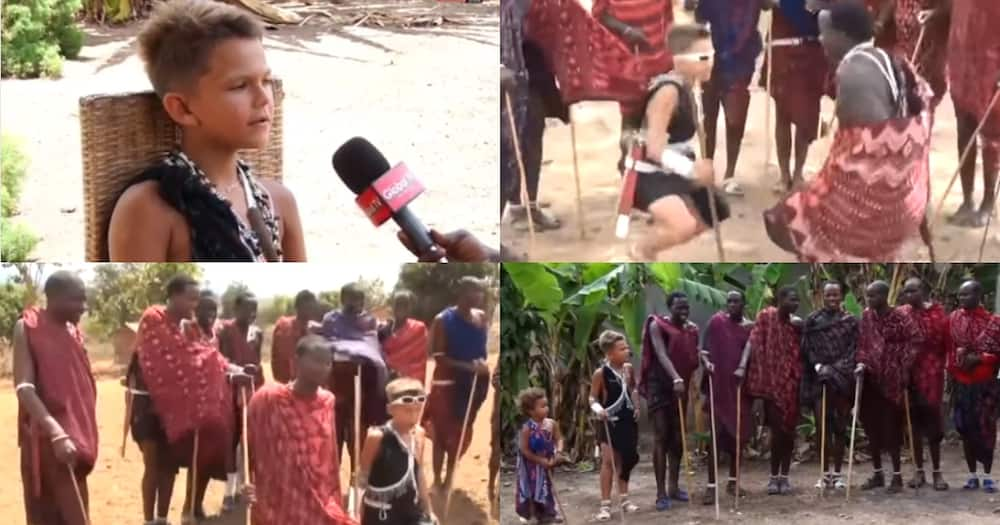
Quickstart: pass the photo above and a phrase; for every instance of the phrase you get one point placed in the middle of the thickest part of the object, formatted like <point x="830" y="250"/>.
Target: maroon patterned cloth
<point x="887" y="347"/>
<point x="870" y="196"/>
<point x="829" y="338"/>
<point x="932" y="58"/>
<point x="775" y="367"/>
<point x="976" y="331"/>
<point x="927" y="374"/>
<point x="725" y="340"/>
<point x="974" y="61"/>
<point x="592" y="63"/>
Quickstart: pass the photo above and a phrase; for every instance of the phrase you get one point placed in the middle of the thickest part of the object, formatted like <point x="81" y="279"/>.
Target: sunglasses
<point x="696" y="57"/>
<point x="408" y="400"/>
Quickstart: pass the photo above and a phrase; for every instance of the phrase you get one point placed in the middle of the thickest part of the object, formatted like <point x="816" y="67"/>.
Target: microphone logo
<point x="391" y="192"/>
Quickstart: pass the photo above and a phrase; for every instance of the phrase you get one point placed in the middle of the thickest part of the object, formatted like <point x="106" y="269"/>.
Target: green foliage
<point x="280" y="305"/>
<point x="229" y="297"/>
<point x="16" y="241"/>
<point x="12" y="303"/>
<point x="37" y="34"/>
<point x="119" y="293"/>
<point x="435" y="284"/>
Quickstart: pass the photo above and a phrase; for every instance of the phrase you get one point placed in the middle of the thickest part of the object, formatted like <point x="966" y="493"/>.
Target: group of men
<point x="195" y="384"/>
<point x="892" y="362"/>
<point x="888" y="63"/>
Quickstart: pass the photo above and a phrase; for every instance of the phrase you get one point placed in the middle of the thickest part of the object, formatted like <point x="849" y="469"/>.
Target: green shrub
<point x="16" y="241"/>
<point x="37" y="34"/>
<point x="13" y="167"/>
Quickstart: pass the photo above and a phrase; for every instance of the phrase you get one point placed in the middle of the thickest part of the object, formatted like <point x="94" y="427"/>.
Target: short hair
<point x="608" y="339"/>
<point x="682" y="36"/>
<point x="352" y="289"/>
<point x="60" y="282"/>
<point x="208" y="294"/>
<point x="402" y="386"/>
<point x="178" y="283"/>
<point x="740" y="293"/>
<point x="405" y="295"/>
<point x="675" y="296"/>
<point x="785" y="291"/>
<point x="470" y="282"/>
<point x="528" y="398"/>
<point x="852" y="18"/>
<point x="879" y="286"/>
<point x="311" y="343"/>
<point x="244" y="297"/>
<point x="303" y="297"/>
<point x="176" y="42"/>
<point x="924" y="287"/>
<point x="832" y="282"/>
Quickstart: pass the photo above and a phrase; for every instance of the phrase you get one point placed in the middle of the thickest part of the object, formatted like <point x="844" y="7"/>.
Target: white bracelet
<point x="678" y="380"/>
<point x="677" y="163"/>
<point x="596" y="407"/>
<point x="818" y="366"/>
<point x="23" y="385"/>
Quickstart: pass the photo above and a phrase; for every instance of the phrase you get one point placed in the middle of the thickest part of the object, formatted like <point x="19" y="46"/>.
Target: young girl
<point x="539" y="447"/>
<point x="391" y="475"/>
<point x="614" y="400"/>
<point x="671" y="184"/>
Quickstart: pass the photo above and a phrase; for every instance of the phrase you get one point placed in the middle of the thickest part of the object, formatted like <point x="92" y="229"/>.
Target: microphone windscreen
<point x="359" y="163"/>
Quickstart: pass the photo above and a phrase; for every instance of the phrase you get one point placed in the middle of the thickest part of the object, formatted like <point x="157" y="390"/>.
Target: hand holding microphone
<point x="457" y="246"/>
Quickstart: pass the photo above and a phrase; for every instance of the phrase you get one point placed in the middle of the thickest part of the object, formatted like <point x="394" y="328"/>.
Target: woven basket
<point x="123" y="134"/>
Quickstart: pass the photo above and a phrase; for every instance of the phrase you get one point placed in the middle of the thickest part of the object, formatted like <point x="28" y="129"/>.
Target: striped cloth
<point x="405" y="349"/>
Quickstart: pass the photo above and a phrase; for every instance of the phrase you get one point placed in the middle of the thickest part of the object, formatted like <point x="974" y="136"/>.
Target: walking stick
<point x="739" y="403"/>
<point x="614" y="471"/>
<point x="964" y="156"/>
<point x="576" y="175"/>
<point x="194" y="474"/>
<point x="461" y="441"/>
<point x="245" y="442"/>
<point x="715" y="443"/>
<point x="555" y="496"/>
<point x="854" y="426"/>
<point x="822" y="444"/>
<point x="79" y="496"/>
<point x="909" y="429"/>
<point x="699" y="122"/>
<point x="767" y="97"/>
<point x="357" y="441"/>
<point x="916" y="49"/>
<point x="684" y="448"/>
<point x="520" y="169"/>
<point x="128" y="415"/>
<point x="986" y="230"/>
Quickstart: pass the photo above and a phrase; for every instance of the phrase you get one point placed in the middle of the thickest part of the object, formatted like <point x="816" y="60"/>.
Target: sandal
<point x="877" y="480"/>
<point x="896" y="485"/>
<point x="989" y="486"/>
<point x="939" y="482"/>
<point x="732" y="188"/>
<point x="972" y="484"/>
<point x="919" y="480"/>
<point x="629" y="507"/>
<point x="662" y="503"/>
<point x="604" y="514"/>
<point x="679" y="495"/>
<point x="838" y="482"/>
<point x="773" y="486"/>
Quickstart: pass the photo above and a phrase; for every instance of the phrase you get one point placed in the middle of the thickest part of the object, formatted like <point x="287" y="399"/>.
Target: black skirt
<point x="652" y="186"/>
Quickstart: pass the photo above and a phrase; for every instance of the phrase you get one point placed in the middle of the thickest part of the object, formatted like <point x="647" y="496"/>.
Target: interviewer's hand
<point x="457" y="246"/>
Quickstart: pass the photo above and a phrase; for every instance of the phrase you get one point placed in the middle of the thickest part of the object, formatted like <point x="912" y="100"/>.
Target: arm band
<point x="678" y="380"/>
<point x="20" y="386"/>
<point x="818" y="366"/>
<point x="596" y="407"/>
<point x="678" y="163"/>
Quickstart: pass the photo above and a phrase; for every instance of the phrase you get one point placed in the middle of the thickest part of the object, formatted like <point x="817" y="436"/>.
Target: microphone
<point x="382" y="192"/>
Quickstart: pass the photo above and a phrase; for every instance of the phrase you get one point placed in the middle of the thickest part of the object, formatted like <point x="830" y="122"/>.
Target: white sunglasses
<point x="408" y="400"/>
<point x="696" y="57"/>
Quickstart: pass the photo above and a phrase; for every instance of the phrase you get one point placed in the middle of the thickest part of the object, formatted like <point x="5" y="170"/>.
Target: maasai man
<point x="392" y="472"/>
<point x="773" y="380"/>
<point x="614" y="402"/>
<point x="669" y="357"/>
<point x="57" y="401"/>
<point x="829" y="343"/>
<point x="184" y="393"/>
<point x="929" y="17"/>
<point x="297" y="481"/>
<point x="458" y="342"/>
<point x="737" y="44"/>
<point x="287" y="332"/>
<point x="354" y="325"/>
<point x="976" y="394"/>
<point x="725" y="357"/>
<point x="404" y="339"/>
<point x="881" y="13"/>
<point x="671" y="184"/>
<point x="871" y="194"/>
<point x="887" y="348"/>
<point x="798" y="82"/>
<point x="927" y="377"/>
<point x="973" y="71"/>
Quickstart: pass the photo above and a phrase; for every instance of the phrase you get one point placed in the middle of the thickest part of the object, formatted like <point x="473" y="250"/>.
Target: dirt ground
<point x="579" y="495"/>
<point x="423" y="95"/>
<point x="114" y="485"/>
<point x="744" y="238"/>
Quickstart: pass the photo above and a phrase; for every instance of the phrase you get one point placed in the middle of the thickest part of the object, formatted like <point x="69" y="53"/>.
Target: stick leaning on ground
<point x="854" y="426"/>
<point x="909" y="430"/>
<point x="461" y="441"/>
<point x="822" y="444"/>
<point x="245" y="442"/>
<point x="520" y="169"/>
<point x="355" y="491"/>
<point x="715" y="443"/>
<point x="79" y="496"/>
<point x="700" y="124"/>
<point x="739" y="401"/>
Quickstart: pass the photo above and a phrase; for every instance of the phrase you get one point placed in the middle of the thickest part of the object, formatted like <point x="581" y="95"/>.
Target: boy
<point x="206" y="62"/>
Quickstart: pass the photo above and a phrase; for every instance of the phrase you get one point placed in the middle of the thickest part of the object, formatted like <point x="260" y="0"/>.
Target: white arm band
<point x="818" y="366"/>
<point x="23" y="385"/>
<point x="596" y="407"/>
<point x="678" y="163"/>
<point x="234" y="369"/>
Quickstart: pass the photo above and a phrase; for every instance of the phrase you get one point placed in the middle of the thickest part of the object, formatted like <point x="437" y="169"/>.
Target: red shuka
<point x="775" y="366"/>
<point x="297" y="480"/>
<point x="927" y="374"/>
<point x="682" y="349"/>
<point x="405" y="350"/>
<point x="287" y="332"/>
<point x="888" y="346"/>
<point x="64" y="383"/>
<point x="977" y="331"/>
<point x="243" y="353"/>
<point x="974" y="60"/>
<point x="931" y="58"/>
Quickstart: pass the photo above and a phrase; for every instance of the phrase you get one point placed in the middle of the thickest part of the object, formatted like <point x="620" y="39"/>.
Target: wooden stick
<point x="700" y="124"/>
<point x="614" y="471"/>
<point x="684" y="449"/>
<point x="963" y="157"/>
<point x="194" y="474"/>
<point x="715" y="443"/>
<point x="854" y="426"/>
<point x="79" y="495"/>
<point x="989" y="220"/>
<point x="576" y="176"/>
<point x="822" y="444"/>
<point x="555" y="496"/>
<point x="916" y="49"/>
<point x="909" y="430"/>
<point x="461" y="441"/>
<point x="739" y="403"/>
<point x="520" y="170"/>
<point x="128" y="416"/>
<point x="767" y="96"/>
<point x="357" y="442"/>
<point x="245" y="442"/>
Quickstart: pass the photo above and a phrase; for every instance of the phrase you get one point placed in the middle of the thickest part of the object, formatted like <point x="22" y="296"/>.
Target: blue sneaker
<point x="680" y="495"/>
<point x="972" y="484"/>
<point x="662" y="503"/>
<point x="989" y="486"/>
